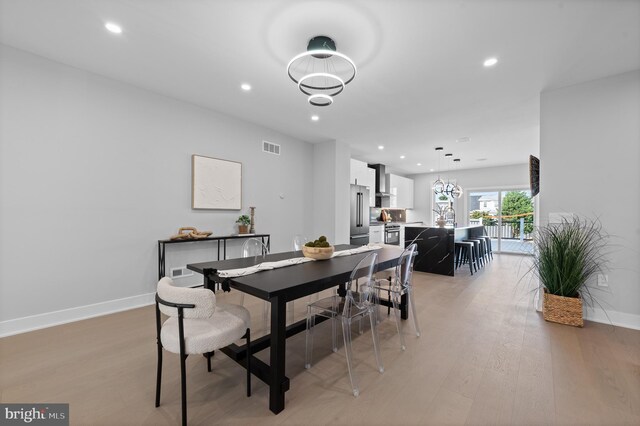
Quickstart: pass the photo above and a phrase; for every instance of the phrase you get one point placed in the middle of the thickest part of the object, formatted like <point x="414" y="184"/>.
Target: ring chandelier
<point x="321" y="72"/>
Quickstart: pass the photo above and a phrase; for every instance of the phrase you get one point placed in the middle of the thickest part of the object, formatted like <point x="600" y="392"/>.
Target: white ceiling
<point x="420" y="80"/>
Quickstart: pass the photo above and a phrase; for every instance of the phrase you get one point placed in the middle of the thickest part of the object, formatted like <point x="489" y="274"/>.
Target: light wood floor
<point x="485" y="357"/>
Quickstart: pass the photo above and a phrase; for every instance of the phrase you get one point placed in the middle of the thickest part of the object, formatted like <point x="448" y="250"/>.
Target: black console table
<point x="265" y="238"/>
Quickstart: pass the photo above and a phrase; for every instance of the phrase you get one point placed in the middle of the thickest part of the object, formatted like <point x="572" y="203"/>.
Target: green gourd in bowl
<point x="319" y="249"/>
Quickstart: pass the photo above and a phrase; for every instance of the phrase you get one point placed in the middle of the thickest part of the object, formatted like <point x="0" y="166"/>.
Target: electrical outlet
<point x="603" y="280"/>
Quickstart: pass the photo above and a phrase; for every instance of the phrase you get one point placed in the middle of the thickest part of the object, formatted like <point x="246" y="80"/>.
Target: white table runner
<point x="265" y="266"/>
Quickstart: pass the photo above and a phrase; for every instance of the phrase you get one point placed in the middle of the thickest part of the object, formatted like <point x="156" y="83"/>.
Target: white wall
<point x="503" y="177"/>
<point x="323" y="218"/>
<point x="589" y="156"/>
<point x="331" y="191"/>
<point x="343" y="193"/>
<point x="94" y="172"/>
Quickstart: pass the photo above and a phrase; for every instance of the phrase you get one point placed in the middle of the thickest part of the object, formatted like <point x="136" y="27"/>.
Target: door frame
<point x="500" y="190"/>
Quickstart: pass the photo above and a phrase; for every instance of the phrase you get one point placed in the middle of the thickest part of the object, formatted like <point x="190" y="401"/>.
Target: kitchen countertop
<point x="423" y="226"/>
<point x="446" y="227"/>
<point x="378" y="223"/>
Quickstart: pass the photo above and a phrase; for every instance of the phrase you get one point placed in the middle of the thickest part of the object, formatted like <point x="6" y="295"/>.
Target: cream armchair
<point x="196" y="325"/>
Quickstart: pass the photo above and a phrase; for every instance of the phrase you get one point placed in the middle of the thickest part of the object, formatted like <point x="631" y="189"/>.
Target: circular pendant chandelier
<point x="450" y="189"/>
<point x="321" y="72"/>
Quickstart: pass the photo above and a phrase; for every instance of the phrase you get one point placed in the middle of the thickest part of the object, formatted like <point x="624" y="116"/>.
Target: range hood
<point x="381" y="180"/>
<point x="382" y="194"/>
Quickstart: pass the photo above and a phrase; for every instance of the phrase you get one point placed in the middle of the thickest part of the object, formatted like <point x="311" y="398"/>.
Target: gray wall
<point x="93" y="172"/>
<point x="589" y="156"/>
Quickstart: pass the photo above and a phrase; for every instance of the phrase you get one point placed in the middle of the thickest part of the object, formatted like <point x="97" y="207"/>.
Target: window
<point x="508" y="217"/>
<point x="441" y="202"/>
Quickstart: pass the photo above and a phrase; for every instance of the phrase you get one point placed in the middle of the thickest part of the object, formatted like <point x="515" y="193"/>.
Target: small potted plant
<point x="567" y="255"/>
<point x="243" y="224"/>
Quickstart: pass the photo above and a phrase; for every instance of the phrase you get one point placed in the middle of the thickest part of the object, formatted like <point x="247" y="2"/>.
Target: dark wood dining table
<point x="279" y="286"/>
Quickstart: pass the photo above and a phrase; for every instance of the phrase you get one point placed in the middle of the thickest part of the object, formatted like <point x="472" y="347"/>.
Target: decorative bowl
<point x="318" y="253"/>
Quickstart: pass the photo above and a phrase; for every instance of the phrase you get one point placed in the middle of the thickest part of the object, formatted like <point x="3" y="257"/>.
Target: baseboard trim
<point x="50" y="319"/>
<point x="620" y="319"/>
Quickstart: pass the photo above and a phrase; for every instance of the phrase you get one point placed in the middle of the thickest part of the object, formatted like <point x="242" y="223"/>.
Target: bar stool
<point x="484" y="251"/>
<point x="489" y="249"/>
<point x="477" y="251"/>
<point x="457" y="254"/>
<point x="464" y="252"/>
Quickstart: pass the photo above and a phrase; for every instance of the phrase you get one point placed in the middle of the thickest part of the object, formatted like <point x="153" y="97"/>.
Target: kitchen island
<point x="436" y="246"/>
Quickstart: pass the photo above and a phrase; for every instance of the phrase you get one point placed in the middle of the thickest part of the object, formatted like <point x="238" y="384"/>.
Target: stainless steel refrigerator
<point x="359" y="215"/>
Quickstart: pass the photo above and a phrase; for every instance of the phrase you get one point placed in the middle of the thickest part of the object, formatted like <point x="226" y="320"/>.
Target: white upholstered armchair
<point x="196" y="325"/>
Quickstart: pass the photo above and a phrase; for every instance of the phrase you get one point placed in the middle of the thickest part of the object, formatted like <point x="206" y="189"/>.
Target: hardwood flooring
<point x="485" y="357"/>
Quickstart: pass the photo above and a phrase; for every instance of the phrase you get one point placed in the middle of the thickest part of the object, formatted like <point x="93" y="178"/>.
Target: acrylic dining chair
<point x="254" y="247"/>
<point x="398" y="285"/>
<point x="298" y="242"/>
<point x="353" y="306"/>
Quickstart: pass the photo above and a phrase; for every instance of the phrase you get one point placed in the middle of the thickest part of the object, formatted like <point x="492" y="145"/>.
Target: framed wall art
<point x="215" y="183"/>
<point x="534" y="175"/>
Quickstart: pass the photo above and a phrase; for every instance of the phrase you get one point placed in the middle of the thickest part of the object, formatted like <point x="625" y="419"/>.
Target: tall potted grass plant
<point x="567" y="256"/>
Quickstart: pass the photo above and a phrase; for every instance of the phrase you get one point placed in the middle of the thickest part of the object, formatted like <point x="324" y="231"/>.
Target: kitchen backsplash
<point x="397" y="215"/>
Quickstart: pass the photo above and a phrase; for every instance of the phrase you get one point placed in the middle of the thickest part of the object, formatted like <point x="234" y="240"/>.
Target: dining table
<point x="279" y="286"/>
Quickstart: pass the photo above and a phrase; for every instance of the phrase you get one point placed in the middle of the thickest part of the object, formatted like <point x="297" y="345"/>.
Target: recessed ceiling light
<point x="380" y="147"/>
<point x="465" y="139"/>
<point x="315" y="118"/>
<point x="245" y="86"/>
<point x="419" y="164"/>
<point x="432" y="170"/>
<point x="489" y="62"/>
<point x="114" y="28"/>
<point x="402" y="157"/>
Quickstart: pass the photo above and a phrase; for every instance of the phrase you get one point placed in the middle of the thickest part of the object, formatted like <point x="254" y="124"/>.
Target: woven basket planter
<point x="563" y="310"/>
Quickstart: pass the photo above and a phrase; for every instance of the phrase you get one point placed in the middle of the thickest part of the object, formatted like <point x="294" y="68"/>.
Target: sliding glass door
<point x="507" y="216"/>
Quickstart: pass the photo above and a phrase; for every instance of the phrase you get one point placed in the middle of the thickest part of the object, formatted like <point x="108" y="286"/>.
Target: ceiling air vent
<point x="271" y="148"/>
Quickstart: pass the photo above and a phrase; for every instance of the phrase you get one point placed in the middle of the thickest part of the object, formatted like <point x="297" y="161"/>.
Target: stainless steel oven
<point x="392" y="234"/>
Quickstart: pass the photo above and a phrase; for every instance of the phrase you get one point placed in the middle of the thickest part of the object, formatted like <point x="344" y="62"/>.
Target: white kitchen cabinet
<point x="406" y="194"/>
<point x="376" y="234"/>
<point x="371" y="184"/>
<point x="358" y="174"/>
<point x="361" y="174"/>
<point x="401" y="190"/>
<point x="392" y="189"/>
<point x="353" y="171"/>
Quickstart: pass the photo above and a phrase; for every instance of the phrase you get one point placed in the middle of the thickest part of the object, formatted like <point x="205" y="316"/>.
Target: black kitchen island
<point x="436" y="246"/>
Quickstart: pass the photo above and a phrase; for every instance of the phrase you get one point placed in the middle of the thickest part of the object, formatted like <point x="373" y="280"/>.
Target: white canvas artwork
<point x="215" y="183"/>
